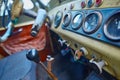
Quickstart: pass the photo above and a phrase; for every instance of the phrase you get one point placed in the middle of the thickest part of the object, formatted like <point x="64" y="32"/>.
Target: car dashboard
<point x="92" y="25"/>
<point x="88" y="29"/>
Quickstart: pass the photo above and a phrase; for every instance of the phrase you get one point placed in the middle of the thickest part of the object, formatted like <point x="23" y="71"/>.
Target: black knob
<point x="33" y="55"/>
<point x="34" y="30"/>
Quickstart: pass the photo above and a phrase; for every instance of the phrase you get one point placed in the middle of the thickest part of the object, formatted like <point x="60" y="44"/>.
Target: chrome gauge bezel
<point x="69" y="15"/>
<point x="106" y="26"/>
<point x="97" y="26"/>
<point x="57" y="22"/>
<point x="80" y="23"/>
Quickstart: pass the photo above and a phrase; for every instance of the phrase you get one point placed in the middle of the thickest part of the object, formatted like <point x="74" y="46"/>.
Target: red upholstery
<point x="23" y="40"/>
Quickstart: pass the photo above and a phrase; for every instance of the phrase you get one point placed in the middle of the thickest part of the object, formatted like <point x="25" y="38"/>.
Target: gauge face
<point x="67" y="19"/>
<point x="58" y="18"/>
<point x="77" y="21"/>
<point x="92" y="22"/>
<point x="112" y="27"/>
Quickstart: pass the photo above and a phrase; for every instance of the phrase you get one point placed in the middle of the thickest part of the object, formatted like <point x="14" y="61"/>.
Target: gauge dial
<point x="67" y="19"/>
<point x="58" y="18"/>
<point x="112" y="27"/>
<point x="92" y="22"/>
<point x="77" y="21"/>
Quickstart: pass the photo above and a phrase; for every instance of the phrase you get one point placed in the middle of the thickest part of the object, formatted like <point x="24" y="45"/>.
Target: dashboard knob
<point x="79" y="53"/>
<point x="84" y="51"/>
<point x="83" y="4"/>
<point x="71" y="6"/>
<point x="90" y="3"/>
<point x="62" y="42"/>
<point x="97" y="66"/>
<point x="98" y="3"/>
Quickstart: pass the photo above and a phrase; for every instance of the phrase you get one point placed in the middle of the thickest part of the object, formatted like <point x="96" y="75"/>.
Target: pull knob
<point x="97" y="66"/>
<point x="33" y="55"/>
<point x="79" y="53"/>
<point x="62" y="42"/>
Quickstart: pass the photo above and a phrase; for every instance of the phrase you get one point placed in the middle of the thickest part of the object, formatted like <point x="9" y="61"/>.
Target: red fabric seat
<point x="23" y="40"/>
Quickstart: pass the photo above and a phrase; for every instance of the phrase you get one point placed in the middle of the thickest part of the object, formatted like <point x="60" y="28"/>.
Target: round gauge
<point x="92" y="22"/>
<point x="112" y="27"/>
<point x="58" y="18"/>
<point x="90" y="3"/>
<point x="77" y="21"/>
<point x="67" y="19"/>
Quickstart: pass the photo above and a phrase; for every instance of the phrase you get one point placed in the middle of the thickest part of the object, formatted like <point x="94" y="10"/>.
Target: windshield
<point x="54" y="3"/>
<point x="45" y="2"/>
<point x="29" y="4"/>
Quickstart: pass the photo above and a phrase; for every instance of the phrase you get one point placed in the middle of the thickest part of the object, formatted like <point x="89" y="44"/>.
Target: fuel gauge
<point x="92" y="22"/>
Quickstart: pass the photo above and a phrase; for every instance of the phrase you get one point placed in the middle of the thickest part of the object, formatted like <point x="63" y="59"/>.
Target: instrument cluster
<point x="94" y="25"/>
<point x="100" y="24"/>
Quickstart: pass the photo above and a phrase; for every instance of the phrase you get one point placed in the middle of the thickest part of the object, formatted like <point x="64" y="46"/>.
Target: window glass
<point x="28" y="4"/>
<point x="45" y="2"/>
<point x="2" y="7"/>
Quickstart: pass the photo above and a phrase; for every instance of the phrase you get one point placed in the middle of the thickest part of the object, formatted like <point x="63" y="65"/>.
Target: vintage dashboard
<point x="94" y="25"/>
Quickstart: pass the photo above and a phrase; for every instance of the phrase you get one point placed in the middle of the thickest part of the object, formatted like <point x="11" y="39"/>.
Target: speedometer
<point x="92" y="22"/>
<point x="112" y="27"/>
<point x="77" y="21"/>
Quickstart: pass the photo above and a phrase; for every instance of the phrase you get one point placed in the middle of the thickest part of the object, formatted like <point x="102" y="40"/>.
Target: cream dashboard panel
<point x="101" y="50"/>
